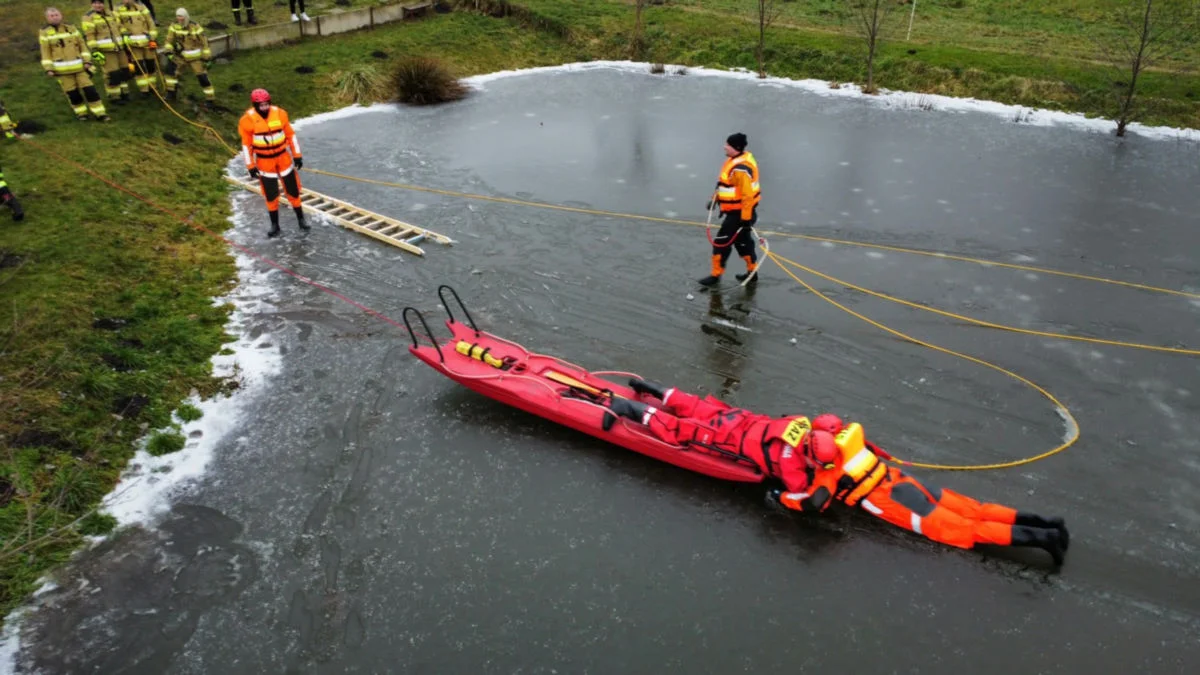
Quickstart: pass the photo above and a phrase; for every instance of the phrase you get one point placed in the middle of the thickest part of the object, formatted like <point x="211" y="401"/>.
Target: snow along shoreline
<point x="901" y="100"/>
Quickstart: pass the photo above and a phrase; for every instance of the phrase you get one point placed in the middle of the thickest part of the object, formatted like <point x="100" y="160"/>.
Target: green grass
<point x="76" y="397"/>
<point x="107" y="322"/>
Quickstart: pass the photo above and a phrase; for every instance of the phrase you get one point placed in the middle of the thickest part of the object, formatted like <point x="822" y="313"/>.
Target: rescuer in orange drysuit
<point x="827" y="461"/>
<point x="272" y="154"/>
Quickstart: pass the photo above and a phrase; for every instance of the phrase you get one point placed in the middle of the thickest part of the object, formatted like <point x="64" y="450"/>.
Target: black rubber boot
<point x="300" y="218"/>
<point x="710" y="280"/>
<point x="743" y="277"/>
<point x="1055" y="523"/>
<point x="647" y="387"/>
<point x="17" y="212"/>
<point x="274" y="224"/>
<point x="250" y="18"/>
<point x="634" y="410"/>
<point x="1048" y="539"/>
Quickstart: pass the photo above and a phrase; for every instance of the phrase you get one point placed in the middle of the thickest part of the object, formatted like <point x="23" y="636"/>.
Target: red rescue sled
<point x="558" y="391"/>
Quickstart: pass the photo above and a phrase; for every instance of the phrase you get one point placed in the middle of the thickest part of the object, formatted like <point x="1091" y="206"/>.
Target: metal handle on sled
<point x="428" y="332"/>
<point x="470" y="321"/>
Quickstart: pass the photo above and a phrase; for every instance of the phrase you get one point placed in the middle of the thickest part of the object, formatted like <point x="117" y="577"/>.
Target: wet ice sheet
<point x="397" y="521"/>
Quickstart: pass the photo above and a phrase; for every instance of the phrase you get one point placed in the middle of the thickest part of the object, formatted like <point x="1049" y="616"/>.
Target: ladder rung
<point x="389" y="230"/>
<point x="415" y="240"/>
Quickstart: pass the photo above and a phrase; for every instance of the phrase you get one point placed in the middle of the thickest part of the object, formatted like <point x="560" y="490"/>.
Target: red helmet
<point x="828" y="422"/>
<point x="820" y="446"/>
<point x="259" y="96"/>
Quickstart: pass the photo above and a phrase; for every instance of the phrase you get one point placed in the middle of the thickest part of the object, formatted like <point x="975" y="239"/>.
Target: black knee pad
<point x="291" y="185"/>
<point x="204" y="82"/>
<point x="150" y="65"/>
<point x="170" y="68"/>
<point x="91" y="94"/>
<point x="270" y="188"/>
<point x="75" y="97"/>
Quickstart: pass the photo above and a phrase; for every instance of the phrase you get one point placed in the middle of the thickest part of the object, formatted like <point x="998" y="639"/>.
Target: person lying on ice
<point x="824" y="461"/>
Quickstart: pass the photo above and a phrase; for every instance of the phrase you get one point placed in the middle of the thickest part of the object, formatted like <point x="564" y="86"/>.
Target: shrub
<point x="360" y="83"/>
<point x="421" y="80"/>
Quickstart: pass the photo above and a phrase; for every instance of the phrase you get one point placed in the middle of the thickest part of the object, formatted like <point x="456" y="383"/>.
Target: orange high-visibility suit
<point x="738" y="194"/>
<point x="857" y="477"/>
<point x="273" y="153"/>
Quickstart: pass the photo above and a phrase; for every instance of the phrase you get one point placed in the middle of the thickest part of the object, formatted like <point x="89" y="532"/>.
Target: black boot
<point x="624" y="407"/>
<point x="1048" y="539"/>
<point x="300" y="217"/>
<point x="17" y="212"/>
<point x="710" y="280"/>
<point x="250" y="18"/>
<point x="237" y="17"/>
<point x="1055" y="523"/>
<point x="647" y="387"/>
<point x="274" y="224"/>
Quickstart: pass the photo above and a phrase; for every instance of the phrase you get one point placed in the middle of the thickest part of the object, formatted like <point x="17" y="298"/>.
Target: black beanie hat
<point x="737" y="141"/>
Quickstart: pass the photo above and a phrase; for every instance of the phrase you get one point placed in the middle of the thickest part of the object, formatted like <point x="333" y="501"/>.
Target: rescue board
<point x="556" y="390"/>
<point x="377" y="226"/>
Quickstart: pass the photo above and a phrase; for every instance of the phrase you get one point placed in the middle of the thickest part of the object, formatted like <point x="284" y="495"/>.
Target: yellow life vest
<point x="727" y="195"/>
<point x="862" y="469"/>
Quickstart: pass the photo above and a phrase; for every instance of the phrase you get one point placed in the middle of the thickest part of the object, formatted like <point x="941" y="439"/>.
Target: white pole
<point x="910" y="20"/>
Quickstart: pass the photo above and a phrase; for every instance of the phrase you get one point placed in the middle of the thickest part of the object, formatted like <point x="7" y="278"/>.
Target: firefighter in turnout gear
<point x="272" y="155"/>
<point x="857" y="476"/>
<point x="187" y="49"/>
<point x="141" y="39"/>
<point x="737" y="194"/>
<point x="6" y="196"/>
<point x="66" y="58"/>
<point x="102" y="30"/>
<point x="7" y="126"/>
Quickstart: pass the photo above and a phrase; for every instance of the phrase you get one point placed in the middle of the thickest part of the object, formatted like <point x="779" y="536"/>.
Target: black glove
<point x="708" y="206"/>
<point x="772" y="499"/>
<point x="299" y="162"/>
<point x="254" y="172"/>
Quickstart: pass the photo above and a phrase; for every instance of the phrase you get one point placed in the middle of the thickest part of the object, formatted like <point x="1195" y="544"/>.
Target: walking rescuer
<point x="738" y="195"/>
<point x="272" y="154"/>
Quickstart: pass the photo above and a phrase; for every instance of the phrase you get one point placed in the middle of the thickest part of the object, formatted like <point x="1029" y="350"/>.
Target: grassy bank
<point x="107" y="323"/>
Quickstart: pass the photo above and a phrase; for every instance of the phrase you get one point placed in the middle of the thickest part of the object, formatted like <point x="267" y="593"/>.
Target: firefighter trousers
<point x="738" y="230"/>
<point x="116" y="74"/>
<point x="273" y="170"/>
<point x="81" y="93"/>
<point x="177" y="64"/>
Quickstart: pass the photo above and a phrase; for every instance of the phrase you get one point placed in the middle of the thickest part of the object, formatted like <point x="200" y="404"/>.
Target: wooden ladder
<point x="389" y="230"/>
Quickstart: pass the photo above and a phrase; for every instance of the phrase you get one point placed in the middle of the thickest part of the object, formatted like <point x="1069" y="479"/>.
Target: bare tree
<point x="870" y="17"/>
<point x="767" y="11"/>
<point x="1149" y="32"/>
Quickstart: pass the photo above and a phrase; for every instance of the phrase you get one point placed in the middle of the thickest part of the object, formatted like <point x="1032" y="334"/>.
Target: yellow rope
<point x="1066" y="412"/>
<point x="789" y="235"/>
<point x="988" y="324"/>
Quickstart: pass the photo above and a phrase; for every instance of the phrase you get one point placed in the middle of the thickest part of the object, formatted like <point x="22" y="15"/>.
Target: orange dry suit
<point x="858" y="477"/>
<point x="738" y="194"/>
<point x="272" y="153"/>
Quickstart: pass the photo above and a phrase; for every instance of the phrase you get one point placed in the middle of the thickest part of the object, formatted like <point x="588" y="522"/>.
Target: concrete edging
<point x="256" y="37"/>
